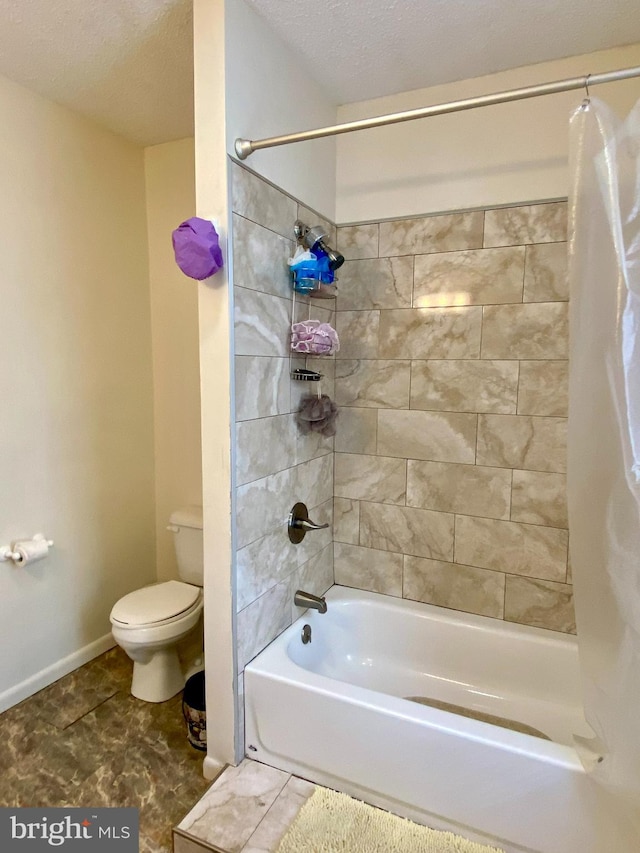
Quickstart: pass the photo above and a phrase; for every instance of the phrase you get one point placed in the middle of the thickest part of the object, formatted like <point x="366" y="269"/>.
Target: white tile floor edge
<point x="249" y="808"/>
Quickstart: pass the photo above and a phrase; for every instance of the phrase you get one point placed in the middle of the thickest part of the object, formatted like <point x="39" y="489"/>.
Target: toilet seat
<point x="155" y="605"/>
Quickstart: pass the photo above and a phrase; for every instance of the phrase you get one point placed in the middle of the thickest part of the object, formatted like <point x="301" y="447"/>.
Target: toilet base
<point x="158" y="679"/>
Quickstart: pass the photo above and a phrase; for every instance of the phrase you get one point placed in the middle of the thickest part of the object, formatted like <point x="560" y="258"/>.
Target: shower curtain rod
<point x="245" y="147"/>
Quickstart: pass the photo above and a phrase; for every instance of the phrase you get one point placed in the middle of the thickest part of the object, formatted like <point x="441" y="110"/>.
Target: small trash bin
<point x="194" y="711"/>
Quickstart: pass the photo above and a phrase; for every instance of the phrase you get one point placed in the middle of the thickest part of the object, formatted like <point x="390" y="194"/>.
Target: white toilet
<point x="149" y="622"/>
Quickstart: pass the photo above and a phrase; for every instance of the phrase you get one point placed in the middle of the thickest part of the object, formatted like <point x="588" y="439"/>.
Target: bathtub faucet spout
<point x="307" y="599"/>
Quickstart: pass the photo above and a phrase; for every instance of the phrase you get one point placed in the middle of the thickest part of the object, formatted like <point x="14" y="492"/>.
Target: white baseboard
<point x="211" y="768"/>
<point x="52" y="673"/>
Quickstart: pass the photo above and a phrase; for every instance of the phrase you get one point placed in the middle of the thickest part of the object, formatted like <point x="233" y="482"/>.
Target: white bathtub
<point x="334" y="711"/>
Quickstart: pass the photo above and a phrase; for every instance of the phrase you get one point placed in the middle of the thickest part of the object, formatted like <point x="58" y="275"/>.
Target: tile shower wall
<point x="452" y="383"/>
<point x="275" y="465"/>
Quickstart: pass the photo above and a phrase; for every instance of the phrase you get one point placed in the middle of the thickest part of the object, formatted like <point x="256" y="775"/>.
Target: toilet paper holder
<point x="26" y="550"/>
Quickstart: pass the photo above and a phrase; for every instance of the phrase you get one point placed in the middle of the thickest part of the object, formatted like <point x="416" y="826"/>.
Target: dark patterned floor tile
<point x="70" y="746"/>
<point x="76" y="694"/>
<point x="22" y="733"/>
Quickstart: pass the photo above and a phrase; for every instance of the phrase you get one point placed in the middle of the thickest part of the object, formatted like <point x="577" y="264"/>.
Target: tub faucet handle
<point x="299" y="523"/>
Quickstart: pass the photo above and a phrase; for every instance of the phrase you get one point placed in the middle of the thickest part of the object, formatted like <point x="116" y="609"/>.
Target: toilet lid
<point x="155" y="603"/>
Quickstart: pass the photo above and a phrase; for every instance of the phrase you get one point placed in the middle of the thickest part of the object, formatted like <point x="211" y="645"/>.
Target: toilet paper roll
<point x="30" y="550"/>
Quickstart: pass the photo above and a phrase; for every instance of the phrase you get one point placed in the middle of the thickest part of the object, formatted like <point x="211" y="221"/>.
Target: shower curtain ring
<point x="587" y="100"/>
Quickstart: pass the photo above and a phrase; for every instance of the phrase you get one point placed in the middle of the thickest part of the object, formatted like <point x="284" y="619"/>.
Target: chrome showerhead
<point x="314" y="237"/>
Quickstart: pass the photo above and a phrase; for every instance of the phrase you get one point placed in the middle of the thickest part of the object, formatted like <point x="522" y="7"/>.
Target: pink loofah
<point x="314" y="337"/>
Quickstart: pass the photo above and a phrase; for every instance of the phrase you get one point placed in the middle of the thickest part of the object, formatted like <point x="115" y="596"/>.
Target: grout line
<point x="511" y="497"/>
<point x="483" y="209"/>
<point x="455" y="521"/>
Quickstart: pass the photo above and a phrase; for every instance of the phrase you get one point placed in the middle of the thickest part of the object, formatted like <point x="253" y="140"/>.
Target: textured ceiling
<point x="128" y="64"/>
<point x="367" y="48"/>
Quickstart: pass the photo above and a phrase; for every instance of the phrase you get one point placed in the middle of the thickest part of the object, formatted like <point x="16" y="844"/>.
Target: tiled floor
<point x="85" y="741"/>
<point x="247" y="810"/>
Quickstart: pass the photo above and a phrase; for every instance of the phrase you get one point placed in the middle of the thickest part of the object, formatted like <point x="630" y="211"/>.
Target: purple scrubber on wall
<point x="197" y="248"/>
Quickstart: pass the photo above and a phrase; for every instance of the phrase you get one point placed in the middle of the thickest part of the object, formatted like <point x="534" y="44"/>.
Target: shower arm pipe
<point x="245" y="147"/>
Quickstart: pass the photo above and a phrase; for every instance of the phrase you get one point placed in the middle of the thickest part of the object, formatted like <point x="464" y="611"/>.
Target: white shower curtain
<point x="604" y="436"/>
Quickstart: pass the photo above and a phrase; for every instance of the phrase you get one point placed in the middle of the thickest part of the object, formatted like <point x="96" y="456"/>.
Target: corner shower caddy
<point x="310" y="284"/>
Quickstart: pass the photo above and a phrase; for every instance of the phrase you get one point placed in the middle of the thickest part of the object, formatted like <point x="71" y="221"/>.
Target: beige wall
<point x="170" y="195"/>
<point x="215" y="337"/>
<point x="271" y="94"/>
<point x="452" y="382"/>
<point x="503" y="154"/>
<point x="76" y="432"/>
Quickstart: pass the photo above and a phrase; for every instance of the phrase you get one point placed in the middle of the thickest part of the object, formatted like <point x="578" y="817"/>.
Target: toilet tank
<point x="186" y="526"/>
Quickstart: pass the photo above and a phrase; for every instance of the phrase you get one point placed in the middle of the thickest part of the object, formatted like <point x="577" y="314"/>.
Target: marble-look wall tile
<point x="263" y="620"/>
<point x="262" y="386"/>
<point x="264" y="504"/>
<point x="545" y="273"/>
<point x="314" y="576"/>
<point x="311" y="218"/>
<point x="535" y="223"/>
<point x="357" y="431"/>
<point x="435" y="436"/>
<point x="358" y="241"/>
<point x="430" y="333"/>
<point x="261" y="323"/>
<point x="260" y="258"/>
<point x="537" y="330"/>
<point x="365" y="568"/>
<point x="466" y="489"/>
<point x="520" y="441"/>
<point x="539" y="498"/>
<point x="543" y="388"/>
<point x="370" y="478"/>
<point x="406" y="530"/>
<point x="264" y="446"/>
<point x="310" y="446"/>
<point x="229" y="812"/>
<point x="324" y="366"/>
<point x="477" y="277"/>
<point x="505" y="546"/>
<point x="455" y="586"/>
<point x="358" y="333"/>
<point x="313" y="481"/>
<point x="316" y="309"/>
<point x="442" y="233"/>
<point x="272" y="558"/>
<point x="464" y="386"/>
<point x="373" y="383"/>
<point x="268" y="445"/>
<point x="258" y="201"/>
<point x="376" y="283"/>
<point x="540" y="603"/>
<point x="346" y="521"/>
